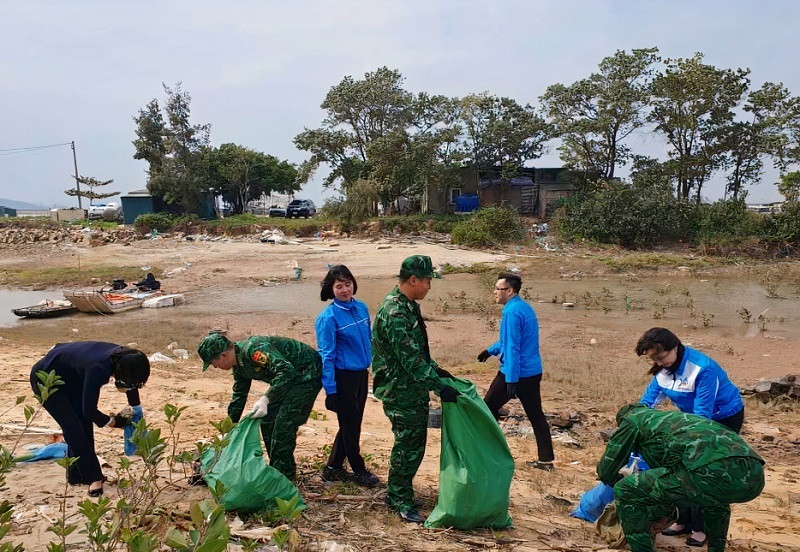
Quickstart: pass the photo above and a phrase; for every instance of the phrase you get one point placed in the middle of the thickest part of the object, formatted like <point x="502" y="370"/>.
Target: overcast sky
<point x="257" y="71"/>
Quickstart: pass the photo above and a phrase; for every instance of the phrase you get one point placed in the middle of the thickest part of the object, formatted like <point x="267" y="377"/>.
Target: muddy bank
<point x="247" y="288"/>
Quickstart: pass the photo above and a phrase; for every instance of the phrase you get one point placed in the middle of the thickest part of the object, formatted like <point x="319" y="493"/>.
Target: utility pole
<point x="77" y="182"/>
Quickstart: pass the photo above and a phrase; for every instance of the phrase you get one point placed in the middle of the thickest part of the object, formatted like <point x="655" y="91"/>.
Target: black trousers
<point x="531" y="399"/>
<point x="351" y="389"/>
<point x="64" y="405"/>
<point x="693" y="515"/>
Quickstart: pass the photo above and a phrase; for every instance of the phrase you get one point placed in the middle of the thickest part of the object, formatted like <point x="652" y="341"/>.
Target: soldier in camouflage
<point x="693" y="460"/>
<point x="294" y="372"/>
<point x="404" y="373"/>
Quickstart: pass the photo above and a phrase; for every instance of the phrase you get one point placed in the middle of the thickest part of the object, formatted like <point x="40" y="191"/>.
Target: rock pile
<point x="88" y="236"/>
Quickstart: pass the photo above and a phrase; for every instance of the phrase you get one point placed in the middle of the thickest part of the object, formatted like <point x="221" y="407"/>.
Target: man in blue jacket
<point x="520" y="364"/>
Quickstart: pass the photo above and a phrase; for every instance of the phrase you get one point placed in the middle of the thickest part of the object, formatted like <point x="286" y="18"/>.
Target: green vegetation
<point x="477" y="268"/>
<point x="489" y="226"/>
<point x="625" y="216"/>
<point x="653" y="261"/>
<point x="71" y="276"/>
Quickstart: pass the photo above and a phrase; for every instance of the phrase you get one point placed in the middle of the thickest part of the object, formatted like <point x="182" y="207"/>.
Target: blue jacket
<point x="343" y="339"/>
<point x="518" y="346"/>
<point x="699" y="386"/>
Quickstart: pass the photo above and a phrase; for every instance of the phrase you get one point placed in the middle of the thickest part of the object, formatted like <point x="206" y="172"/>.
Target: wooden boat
<point x="109" y="301"/>
<point x="46" y="309"/>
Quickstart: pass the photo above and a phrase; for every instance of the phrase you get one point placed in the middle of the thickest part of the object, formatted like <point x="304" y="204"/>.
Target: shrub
<point x="489" y="226"/>
<point x="360" y="204"/>
<point x="631" y="217"/>
<point x="726" y="222"/>
<point x="161" y="222"/>
<point x="784" y="227"/>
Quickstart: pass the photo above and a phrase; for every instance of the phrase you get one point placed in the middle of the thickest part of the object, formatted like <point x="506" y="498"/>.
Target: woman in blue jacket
<point x="696" y="385"/>
<point x="343" y="338"/>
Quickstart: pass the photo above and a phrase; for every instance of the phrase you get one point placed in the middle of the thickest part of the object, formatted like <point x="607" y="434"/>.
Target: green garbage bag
<point x="476" y="466"/>
<point x="251" y="485"/>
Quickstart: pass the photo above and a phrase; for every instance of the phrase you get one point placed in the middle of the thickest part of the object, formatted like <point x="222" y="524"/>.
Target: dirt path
<point x="245" y="287"/>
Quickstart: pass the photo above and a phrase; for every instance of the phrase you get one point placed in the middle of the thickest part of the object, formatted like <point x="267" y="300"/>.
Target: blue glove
<point x="130" y="448"/>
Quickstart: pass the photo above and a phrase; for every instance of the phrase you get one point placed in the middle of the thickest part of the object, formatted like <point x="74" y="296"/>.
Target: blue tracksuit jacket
<point x="343" y="339"/>
<point x="518" y="346"/>
<point x="699" y="386"/>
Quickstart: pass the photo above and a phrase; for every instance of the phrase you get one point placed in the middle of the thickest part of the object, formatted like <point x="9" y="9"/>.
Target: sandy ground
<point x="245" y="287"/>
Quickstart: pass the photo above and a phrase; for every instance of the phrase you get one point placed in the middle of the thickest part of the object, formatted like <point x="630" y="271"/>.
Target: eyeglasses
<point x="501" y="288"/>
<point x="123" y="386"/>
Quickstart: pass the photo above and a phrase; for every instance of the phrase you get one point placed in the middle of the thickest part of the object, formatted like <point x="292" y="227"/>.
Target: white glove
<point x="260" y="408"/>
<point x="627" y="470"/>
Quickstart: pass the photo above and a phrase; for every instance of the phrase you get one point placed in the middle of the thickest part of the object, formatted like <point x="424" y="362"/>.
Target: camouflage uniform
<point x="694" y="461"/>
<point x="294" y="372"/>
<point x="403" y="374"/>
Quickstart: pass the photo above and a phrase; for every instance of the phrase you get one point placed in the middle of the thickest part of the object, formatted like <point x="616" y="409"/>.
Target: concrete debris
<point x="161" y="357"/>
<point x="766" y="390"/>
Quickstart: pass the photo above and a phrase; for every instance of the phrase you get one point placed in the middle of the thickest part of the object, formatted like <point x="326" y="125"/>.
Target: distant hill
<point x="21" y="205"/>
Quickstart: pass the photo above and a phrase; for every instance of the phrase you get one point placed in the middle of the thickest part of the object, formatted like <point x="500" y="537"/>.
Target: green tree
<point x="241" y="174"/>
<point x="765" y="133"/>
<point x="594" y="116"/>
<point x="376" y="130"/>
<point x="90" y="184"/>
<point x="357" y="113"/>
<point x="692" y="103"/>
<point x="499" y="134"/>
<point x="173" y="147"/>
<point x="789" y="187"/>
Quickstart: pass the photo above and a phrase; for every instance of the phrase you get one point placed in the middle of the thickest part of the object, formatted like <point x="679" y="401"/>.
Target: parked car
<point x="301" y="208"/>
<point x="107" y="211"/>
<point x="276" y="211"/>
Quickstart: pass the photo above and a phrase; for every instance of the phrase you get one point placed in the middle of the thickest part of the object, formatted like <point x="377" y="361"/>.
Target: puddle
<point x="13" y="299"/>
<point x="302" y="298"/>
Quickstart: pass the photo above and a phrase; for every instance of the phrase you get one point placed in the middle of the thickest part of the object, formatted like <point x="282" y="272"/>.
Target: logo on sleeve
<point x="262" y="359"/>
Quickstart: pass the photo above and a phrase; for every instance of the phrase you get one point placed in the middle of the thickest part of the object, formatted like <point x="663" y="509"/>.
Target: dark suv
<point x="301" y="208"/>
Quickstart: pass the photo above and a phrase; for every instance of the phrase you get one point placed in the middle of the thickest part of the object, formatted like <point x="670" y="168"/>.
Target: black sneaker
<point x="411" y="516"/>
<point x="366" y="479"/>
<point x="335" y="474"/>
<point x="539" y="465"/>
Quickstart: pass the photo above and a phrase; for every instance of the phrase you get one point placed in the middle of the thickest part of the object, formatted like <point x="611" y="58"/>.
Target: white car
<point x="107" y="211"/>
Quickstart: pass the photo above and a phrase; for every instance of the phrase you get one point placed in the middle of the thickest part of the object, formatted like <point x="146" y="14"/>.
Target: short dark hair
<point x="660" y="339"/>
<point x="130" y="368"/>
<point x="338" y="272"/>
<point x="513" y="280"/>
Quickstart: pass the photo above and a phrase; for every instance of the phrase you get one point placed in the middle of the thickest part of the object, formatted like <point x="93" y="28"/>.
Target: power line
<point x="13" y="151"/>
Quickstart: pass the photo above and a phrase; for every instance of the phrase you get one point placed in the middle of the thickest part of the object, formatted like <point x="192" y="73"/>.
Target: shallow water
<point x="667" y="301"/>
<point x="14" y="299"/>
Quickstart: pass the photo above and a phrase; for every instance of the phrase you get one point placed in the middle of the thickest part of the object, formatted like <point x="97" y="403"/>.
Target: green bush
<point x="630" y="217"/>
<point x="726" y="222"/>
<point x="161" y="222"/>
<point x="489" y="226"/>
<point x="783" y="227"/>
<point x="360" y="204"/>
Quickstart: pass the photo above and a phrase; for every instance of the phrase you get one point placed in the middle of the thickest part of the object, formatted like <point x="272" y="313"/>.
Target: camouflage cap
<point x="213" y="345"/>
<point x="419" y="266"/>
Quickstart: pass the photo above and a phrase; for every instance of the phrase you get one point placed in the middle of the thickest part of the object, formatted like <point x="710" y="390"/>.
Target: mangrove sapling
<point x="61" y="528"/>
<point x="172" y="413"/>
<point x="209" y="531"/>
<point x="48" y="384"/>
<point x="290" y="511"/>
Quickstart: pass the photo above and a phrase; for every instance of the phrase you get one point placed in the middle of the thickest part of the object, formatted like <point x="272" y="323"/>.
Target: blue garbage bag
<point x="46" y="452"/>
<point x="130" y="448"/>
